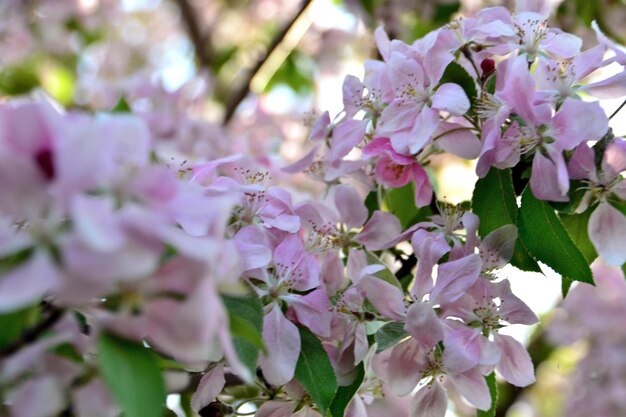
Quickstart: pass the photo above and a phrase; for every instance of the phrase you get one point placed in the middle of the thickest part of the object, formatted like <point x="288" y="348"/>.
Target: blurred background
<point x="221" y="76"/>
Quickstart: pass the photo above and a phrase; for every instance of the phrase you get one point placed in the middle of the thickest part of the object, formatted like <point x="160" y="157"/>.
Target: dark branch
<point x="32" y="333"/>
<point x="243" y="91"/>
<point x="200" y="42"/>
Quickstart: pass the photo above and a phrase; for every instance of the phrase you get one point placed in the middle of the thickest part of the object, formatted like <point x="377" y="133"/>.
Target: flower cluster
<point x="204" y="276"/>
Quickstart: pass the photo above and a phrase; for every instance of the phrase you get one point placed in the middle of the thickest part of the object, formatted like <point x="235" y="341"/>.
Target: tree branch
<point x="32" y="333"/>
<point x="200" y="42"/>
<point x="243" y="91"/>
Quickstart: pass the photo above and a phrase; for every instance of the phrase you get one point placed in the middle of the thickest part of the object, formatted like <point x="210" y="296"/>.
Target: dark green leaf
<point x="566" y="283"/>
<point x="389" y="335"/>
<point x="371" y="202"/>
<point x="401" y="203"/>
<point x="15" y="81"/>
<point x="246" y="315"/>
<point x="344" y="394"/>
<point x="493" y="390"/>
<point x="444" y="11"/>
<point x="546" y="238"/>
<point x="385" y="274"/>
<point x="296" y="72"/>
<point x="15" y="322"/>
<point x="494" y="202"/>
<point x="132" y="373"/>
<point x="576" y="225"/>
<point x="314" y="370"/>
<point x="455" y="73"/>
<point x="121" y="106"/>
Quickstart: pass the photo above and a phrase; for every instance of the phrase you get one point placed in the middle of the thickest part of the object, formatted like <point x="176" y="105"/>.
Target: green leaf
<point x="371" y="202"/>
<point x="344" y="394"/>
<point x="494" y="202"/>
<point x="385" y="274"/>
<point x="132" y="373"/>
<point x="15" y="322"/>
<point x="121" y="106"/>
<point x="18" y="80"/>
<point x="493" y="390"/>
<point x="389" y="335"/>
<point x="246" y="324"/>
<point x="576" y="225"/>
<point x="546" y="238"/>
<point x="401" y="203"/>
<point x="566" y="284"/>
<point x="455" y="73"/>
<point x="314" y="370"/>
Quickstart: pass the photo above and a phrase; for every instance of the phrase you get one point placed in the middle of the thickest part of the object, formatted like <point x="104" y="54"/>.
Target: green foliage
<point x="576" y="225"/>
<point x="389" y="335"/>
<point x="493" y="390"/>
<point x="315" y="372"/>
<point x="547" y="239"/>
<point x="494" y="202"/>
<point x="18" y="80"/>
<point x="246" y="325"/>
<point x="401" y="203"/>
<point x="345" y="394"/>
<point x="296" y="72"/>
<point x="121" y="106"/>
<point x="132" y="373"/>
<point x="385" y="274"/>
<point x="15" y="322"/>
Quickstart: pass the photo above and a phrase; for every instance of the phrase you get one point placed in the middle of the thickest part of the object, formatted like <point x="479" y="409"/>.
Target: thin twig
<point x="200" y="41"/>
<point x="32" y="333"/>
<point x="243" y="91"/>
<point x="618" y="109"/>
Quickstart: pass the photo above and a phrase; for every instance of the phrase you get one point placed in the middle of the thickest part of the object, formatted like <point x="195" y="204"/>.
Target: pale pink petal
<point x="382" y="42"/>
<point x="515" y="364"/>
<point x="320" y="128"/>
<point x="96" y="224"/>
<point x="252" y="246"/>
<point x="423" y="188"/>
<point x="561" y="44"/>
<point x="94" y="400"/>
<point x="312" y="310"/>
<point x="345" y="137"/>
<point x="356" y="408"/>
<point x="582" y="164"/>
<point x="423" y="128"/>
<point x="451" y="98"/>
<point x="472" y="385"/>
<point x="404" y="367"/>
<point x="350" y="205"/>
<point x="429" y="248"/>
<point x="302" y="163"/>
<point x="423" y="324"/>
<point x="274" y="408"/>
<point x="462" y="143"/>
<point x="282" y="340"/>
<point x="462" y="350"/>
<point x="37" y="397"/>
<point x="429" y="401"/>
<point x="386" y="298"/>
<point x="298" y="265"/>
<point x="549" y="179"/>
<point x="610" y="88"/>
<point x="28" y="282"/>
<point x="497" y="247"/>
<point x="381" y="228"/>
<point x="352" y="90"/>
<point x="578" y="121"/>
<point x="209" y="387"/>
<point x="607" y="231"/>
<point x="454" y="278"/>
<point x="614" y="160"/>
